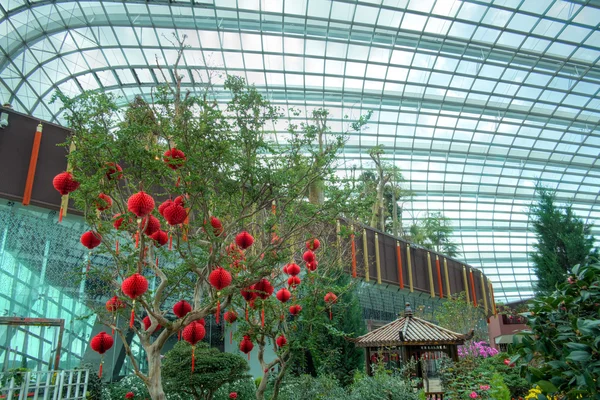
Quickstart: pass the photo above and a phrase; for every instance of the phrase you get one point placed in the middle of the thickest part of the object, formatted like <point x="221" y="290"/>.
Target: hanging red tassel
<point x="178" y="181"/>
<point x="262" y="317"/>
<point x="281" y="317"/>
<point x="178" y="336"/>
<point x="100" y="371"/>
<point x="246" y="311"/>
<point x="330" y="314"/>
<point x="230" y="337"/>
<point x="60" y="215"/>
<point x="157" y="262"/>
<point x="137" y="239"/>
<point x="170" y="240"/>
<point x="218" y="311"/>
<point x="193" y="358"/>
<point x="132" y="315"/>
<point x="117" y="246"/>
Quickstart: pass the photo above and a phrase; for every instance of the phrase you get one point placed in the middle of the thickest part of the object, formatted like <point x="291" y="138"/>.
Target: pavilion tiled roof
<point x="415" y="331"/>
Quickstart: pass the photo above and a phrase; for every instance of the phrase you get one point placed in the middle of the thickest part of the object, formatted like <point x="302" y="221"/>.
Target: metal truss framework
<point x="475" y="100"/>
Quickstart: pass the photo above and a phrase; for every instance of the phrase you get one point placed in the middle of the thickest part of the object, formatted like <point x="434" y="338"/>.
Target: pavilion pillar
<point x="368" y="360"/>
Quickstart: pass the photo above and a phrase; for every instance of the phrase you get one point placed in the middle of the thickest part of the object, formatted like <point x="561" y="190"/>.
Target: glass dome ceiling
<point x="475" y="100"/>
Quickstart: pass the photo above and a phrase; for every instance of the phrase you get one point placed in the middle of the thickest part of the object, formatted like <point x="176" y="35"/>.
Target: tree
<point x="434" y="232"/>
<point x="223" y="177"/>
<point x="212" y="370"/>
<point x="563" y="240"/>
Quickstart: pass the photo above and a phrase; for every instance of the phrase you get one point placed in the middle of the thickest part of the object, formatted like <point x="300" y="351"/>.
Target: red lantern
<point x="283" y="295"/>
<point x="246" y="346"/>
<point x="295" y="309"/>
<point x="114" y="304"/>
<point x="244" y="240"/>
<point x="202" y="322"/>
<point x="163" y="205"/>
<point x="285" y="269"/>
<point x="174" y="158"/>
<point x="152" y="225"/>
<point x="308" y="256"/>
<point x="312" y="266"/>
<point x="263" y="288"/>
<point x="217" y="226"/>
<point x="293" y="269"/>
<point x="230" y="316"/>
<point x="248" y="294"/>
<point x="104" y="202"/>
<point x="193" y="333"/>
<point x="220" y="278"/>
<point x="180" y="200"/>
<point x="141" y="204"/>
<point x="175" y="214"/>
<point x="148" y="323"/>
<point x="113" y="171"/>
<point x="233" y="395"/>
<point x="118" y="220"/>
<point x="133" y="287"/>
<point x="330" y="298"/>
<point x="313" y="244"/>
<point x="129" y="395"/>
<point x="281" y="341"/>
<point x="91" y="239"/>
<point x="160" y="237"/>
<point x="64" y="183"/>
<point x="182" y="308"/>
<point x="293" y="281"/>
<point x="101" y="343"/>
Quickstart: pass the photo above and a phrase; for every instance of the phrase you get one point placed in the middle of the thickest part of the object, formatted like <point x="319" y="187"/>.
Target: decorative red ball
<point x="194" y="332"/>
<point x="285" y="269"/>
<point x="230" y="316"/>
<point x="281" y="341"/>
<point x="312" y="266"/>
<point x="246" y="345"/>
<point x="202" y="322"/>
<point x="233" y="395"/>
<point x="295" y="309"/>
<point x="130" y="395"/>
<point x="153" y="225"/>
<point x="148" y="323"/>
<point x="174" y="158"/>
<point x="163" y="205"/>
<point x="293" y="281"/>
<point x="263" y="288"/>
<point x="220" y="278"/>
<point x="113" y="171"/>
<point x="134" y="286"/>
<point x="160" y="237"/>
<point x="293" y="269"/>
<point x="248" y="294"/>
<point x="118" y="220"/>
<point x="175" y="214"/>
<point x="104" y="202"/>
<point x="102" y="342"/>
<point x="283" y="295"/>
<point x="313" y="244"/>
<point x="217" y="226"/>
<point x="181" y="308"/>
<point x="113" y="304"/>
<point x="308" y="256"/>
<point x="91" y="239"/>
<point x="180" y="200"/>
<point x="141" y="204"/>
<point x="65" y="183"/>
<point x="244" y="240"/>
<point x="330" y="298"/>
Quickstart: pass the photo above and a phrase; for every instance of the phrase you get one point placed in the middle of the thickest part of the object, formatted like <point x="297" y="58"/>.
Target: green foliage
<point x="381" y="386"/>
<point x="434" y="232"/>
<point x="498" y="389"/>
<point x="212" y="369"/>
<point x="563" y="240"/>
<point x="511" y="375"/>
<point x="131" y="383"/>
<point x="563" y="347"/>
<point x="306" y="387"/>
<point x="245" y="389"/>
<point x="95" y="385"/>
<point x="461" y="316"/>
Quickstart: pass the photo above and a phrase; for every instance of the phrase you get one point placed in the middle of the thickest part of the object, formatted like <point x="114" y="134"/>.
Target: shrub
<point x="245" y="389"/>
<point x="381" y="386"/>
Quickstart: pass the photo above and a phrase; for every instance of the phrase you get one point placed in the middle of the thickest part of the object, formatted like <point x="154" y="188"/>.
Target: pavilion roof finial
<point x="408" y="313"/>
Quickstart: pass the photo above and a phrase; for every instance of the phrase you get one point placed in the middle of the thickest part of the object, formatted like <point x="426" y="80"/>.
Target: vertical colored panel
<point x="473" y="288"/>
<point x="448" y="290"/>
<point x="377" y="258"/>
<point x="366" y="255"/>
<point x="439" y="275"/>
<point x="429" y="269"/>
<point x="410" y="276"/>
<point x="466" y="284"/>
<point x="399" y="264"/>
<point x="35" y="151"/>
<point x="353" y="250"/>
<point x="485" y="300"/>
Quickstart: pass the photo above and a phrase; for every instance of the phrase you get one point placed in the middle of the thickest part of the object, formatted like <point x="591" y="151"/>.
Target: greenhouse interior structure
<point x="299" y="199"/>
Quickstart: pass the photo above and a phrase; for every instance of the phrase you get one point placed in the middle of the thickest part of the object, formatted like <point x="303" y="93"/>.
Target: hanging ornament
<point x="308" y="256"/>
<point x="293" y="269"/>
<point x="64" y="183"/>
<point x="193" y="333"/>
<point x="104" y="202"/>
<point x="283" y="295"/>
<point x="175" y="214"/>
<point x="233" y="395"/>
<point x="113" y="171"/>
<point x="312" y="266"/>
<point x="130" y="395"/>
<point x="141" y="204"/>
<point x="101" y="343"/>
<point x="180" y="200"/>
<point x="219" y="278"/>
<point x="148" y="323"/>
<point x="246" y="345"/>
<point x="217" y="226"/>
<point x="174" y="158"/>
<point x="330" y="298"/>
<point x="244" y="240"/>
<point x="264" y="289"/>
<point x="281" y="340"/>
<point x="230" y="316"/>
<point x="152" y="225"/>
<point x="113" y="305"/>
<point x="293" y="281"/>
<point x="91" y="239"/>
<point x="285" y="269"/>
<point x="249" y="295"/>
<point x="118" y="221"/>
<point x="160" y="237"/>
<point x="182" y="308"/>
<point x="313" y="244"/>
<point x="295" y="309"/>
<point x="163" y="205"/>
<point x="133" y="287"/>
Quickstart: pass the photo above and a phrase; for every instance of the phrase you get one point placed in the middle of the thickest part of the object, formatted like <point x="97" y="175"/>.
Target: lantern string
<point x="262" y="316"/>
<point x="60" y="215"/>
<point x="101" y="364"/>
<point x="117" y="246"/>
<point x="246" y="311"/>
<point x="137" y="239"/>
<point x="132" y="315"/>
<point x="193" y="358"/>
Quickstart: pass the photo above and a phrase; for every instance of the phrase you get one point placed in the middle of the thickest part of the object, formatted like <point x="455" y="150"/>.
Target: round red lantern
<point x="285" y="270"/>
<point x="249" y="293"/>
<point x="174" y="158"/>
<point x="64" y="183"/>
<point x="246" y="345"/>
<point x="141" y="204"/>
<point x="308" y="256"/>
<point x="312" y="266"/>
<point x="101" y="343"/>
<point x="113" y="171"/>
<point x="233" y="395"/>
<point x="182" y="308"/>
<point x="133" y="287"/>
<point x="130" y="395"/>
<point x="160" y="237"/>
<point x="193" y="333"/>
<point x="313" y="244"/>
<point x="152" y="225"/>
<point x="293" y="281"/>
<point x="220" y="278"/>
<point x="104" y="202"/>
<point x="283" y="295"/>
<point x="114" y="304"/>
<point x="217" y="226"/>
<point x="295" y="309"/>
<point x="330" y="298"/>
<point x="163" y="206"/>
<point x="281" y="341"/>
<point x="175" y="214"/>
<point x="230" y="316"/>
<point x="91" y="239"/>
<point x="293" y="269"/>
<point x="263" y="288"/>
<point x="244" y="240"/>
<point x="148" y="323"/>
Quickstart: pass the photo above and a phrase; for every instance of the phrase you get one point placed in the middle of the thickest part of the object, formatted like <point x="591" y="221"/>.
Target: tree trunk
<point x="278" y="380"/>
<point x="155" y="387"/>
<point x="316" y="192"/>
<point x="260" y="392"/>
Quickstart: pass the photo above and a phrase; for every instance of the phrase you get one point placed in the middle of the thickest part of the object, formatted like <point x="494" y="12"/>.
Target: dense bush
<point x="245" y="389"/>
<point x="380" y="386"/>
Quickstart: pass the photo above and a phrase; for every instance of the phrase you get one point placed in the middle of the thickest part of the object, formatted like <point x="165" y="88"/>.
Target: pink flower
<point x="473" y="395"/>
<point x="484" y="387"/>
<point x="571" y="280"/>
<point x="506" y="361"/>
